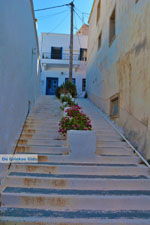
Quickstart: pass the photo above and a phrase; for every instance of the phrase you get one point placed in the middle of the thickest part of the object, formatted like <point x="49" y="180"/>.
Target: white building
<point x="54" y="49"/>
<point x="19" y="69"/>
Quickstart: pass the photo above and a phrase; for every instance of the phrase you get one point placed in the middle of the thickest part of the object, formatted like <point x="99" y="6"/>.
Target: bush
<point x="67" y="87"/>
<point x="65" y="98"/>
<point x="75" y="120"/>
<point x="71" y="88"/>
<point x="58" y="92"/>
<point x="68" y="100"/>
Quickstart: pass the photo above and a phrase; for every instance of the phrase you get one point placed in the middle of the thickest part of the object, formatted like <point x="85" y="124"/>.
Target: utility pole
<point x="71" y="42"/>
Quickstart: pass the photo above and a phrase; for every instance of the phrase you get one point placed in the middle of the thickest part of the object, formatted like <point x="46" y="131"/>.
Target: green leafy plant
<point x="71" y="88"/>
<point x="65" y="98"/>
<point x="67" y="87"/>
<point x="68" y="100"/>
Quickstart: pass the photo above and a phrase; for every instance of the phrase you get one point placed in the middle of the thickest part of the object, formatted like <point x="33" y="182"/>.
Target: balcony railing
<point x="64" y="56"/>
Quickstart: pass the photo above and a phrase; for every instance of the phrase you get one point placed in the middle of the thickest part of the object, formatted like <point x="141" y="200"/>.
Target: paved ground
<point x="113" y="189"/>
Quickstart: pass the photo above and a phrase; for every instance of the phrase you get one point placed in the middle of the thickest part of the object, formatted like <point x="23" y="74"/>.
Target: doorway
<point x="51" y="85"/>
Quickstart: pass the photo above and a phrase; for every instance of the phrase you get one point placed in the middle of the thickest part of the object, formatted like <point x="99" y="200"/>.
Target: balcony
<point x="61" y="59"/>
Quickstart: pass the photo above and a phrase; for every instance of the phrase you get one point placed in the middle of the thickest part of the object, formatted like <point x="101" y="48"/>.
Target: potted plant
<point x="77" y="127"/>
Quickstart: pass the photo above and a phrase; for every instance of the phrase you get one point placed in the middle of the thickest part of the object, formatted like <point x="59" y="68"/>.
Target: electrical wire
<point x="47" y="16"/>
<point x="77" y="31"/>
<point x="62" y="21"/>
<point x="78" y="15"/>
<point x="82" y="12"/>
<point x="53" y="7"/>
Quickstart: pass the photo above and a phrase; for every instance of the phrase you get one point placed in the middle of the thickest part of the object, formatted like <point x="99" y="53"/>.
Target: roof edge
<point x="91" y="11"/>
<point x="34" y="23"/>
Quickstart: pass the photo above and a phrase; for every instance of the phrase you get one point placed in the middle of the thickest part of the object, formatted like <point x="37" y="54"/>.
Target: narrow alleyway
<point x="112" y="190"/>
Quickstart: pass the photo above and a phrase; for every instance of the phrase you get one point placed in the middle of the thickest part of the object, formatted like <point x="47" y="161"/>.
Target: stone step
<point x="41" y="199"/>
<point x="106" y="132"/>
<point x="42" y="150"/>
<point x="51" y="136"/>
<point x="65" y="150"/>
<point x="41" y="131"/>
<point x="81" y="170"/>
<point x="114" y="151"/>
<point x="75" y="192"/>
<point x="49" y="142"/>
<point x="108" y="138"/>
<point x="97" y="159"/>
<point x="112" y="144"/>
<point x="42" y="127"/>
<point x="41" y="142"/>
<point x="47" y="137"/>
<point x="76" y="183"/>
<point x="21" y="216"/>
<point x="39" y="122"/>
<point x="46" y="123"/>
<point x="75" y="176"/>
<point x="49" y="132"/>
<point x="42" y="134"/>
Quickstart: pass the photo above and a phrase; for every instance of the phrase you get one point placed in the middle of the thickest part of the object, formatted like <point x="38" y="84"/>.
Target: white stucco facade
<point x="118" y="74"/>
<point x="59" y="68"/>
<point x="19" y="69"/>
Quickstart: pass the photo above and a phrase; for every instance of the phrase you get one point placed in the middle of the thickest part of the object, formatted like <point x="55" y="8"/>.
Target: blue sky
<point x="58" y="20"/>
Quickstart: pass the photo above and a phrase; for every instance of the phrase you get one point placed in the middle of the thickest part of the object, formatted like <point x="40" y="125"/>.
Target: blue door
<point x="51" y="85"/>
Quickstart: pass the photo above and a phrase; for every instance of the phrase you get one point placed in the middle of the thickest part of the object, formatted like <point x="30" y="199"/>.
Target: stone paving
<point x="112" y="189"/>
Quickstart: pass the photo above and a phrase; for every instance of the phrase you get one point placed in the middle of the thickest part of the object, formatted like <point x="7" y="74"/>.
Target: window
<point x="83" y="84"/>
<point x="73" y="80"/>
<point x="56" y="53"/>
<point x="98" y="10"/>
<point x="114" y="106"/>
<point x="112" y="27"/>
<point x="83" y="54"/>
<point x="99" y="41"/>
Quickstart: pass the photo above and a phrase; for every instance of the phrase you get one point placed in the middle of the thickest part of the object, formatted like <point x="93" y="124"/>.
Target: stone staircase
<point x="113" y="189"/>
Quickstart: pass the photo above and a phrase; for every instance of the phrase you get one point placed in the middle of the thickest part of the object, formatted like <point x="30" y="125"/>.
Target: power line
<point x="78" y="15"/>
<point x="83" y="15"/>
<point x="54" y="7"/>
<point x="47" y="16"/>
<point x="77" y="32"/>
<point x="82" y="12"/>
<point x="62" y="21"/>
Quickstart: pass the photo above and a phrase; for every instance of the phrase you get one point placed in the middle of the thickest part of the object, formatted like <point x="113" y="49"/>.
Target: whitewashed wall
<point x="19" y="80"/>
<point x="48" y="40"/>
<point x="57" y="74"/>
<point x="122" y="67"/>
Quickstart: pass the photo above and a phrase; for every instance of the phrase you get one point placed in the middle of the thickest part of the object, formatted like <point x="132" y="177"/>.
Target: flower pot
<point x="82" y="144"/>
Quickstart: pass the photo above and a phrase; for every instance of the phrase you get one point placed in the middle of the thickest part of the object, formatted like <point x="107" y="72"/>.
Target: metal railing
<point x="124" y="138"/>
<point x="63" y="56"/>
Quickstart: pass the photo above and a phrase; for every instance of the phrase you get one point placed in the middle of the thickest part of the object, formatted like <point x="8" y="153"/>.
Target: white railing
<point x="63" y="56"/>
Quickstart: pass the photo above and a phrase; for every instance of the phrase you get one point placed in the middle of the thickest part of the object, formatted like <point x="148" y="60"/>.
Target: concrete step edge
<point x="75" y="221"/>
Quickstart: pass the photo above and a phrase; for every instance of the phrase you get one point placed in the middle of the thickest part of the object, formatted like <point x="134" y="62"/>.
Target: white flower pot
<point x="82" y="144"/>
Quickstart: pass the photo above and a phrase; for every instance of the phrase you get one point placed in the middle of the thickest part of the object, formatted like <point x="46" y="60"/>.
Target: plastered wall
<point x="19" y="75"/>
<point x="123" y="67"/>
